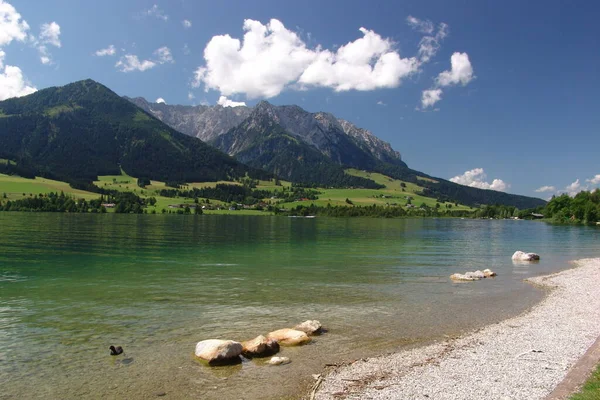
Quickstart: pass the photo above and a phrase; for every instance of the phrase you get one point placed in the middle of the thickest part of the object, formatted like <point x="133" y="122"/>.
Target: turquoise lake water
<point x="71" y="285"/>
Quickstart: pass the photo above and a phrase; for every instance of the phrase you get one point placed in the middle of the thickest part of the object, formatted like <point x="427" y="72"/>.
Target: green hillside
<point x="82" y="130"/>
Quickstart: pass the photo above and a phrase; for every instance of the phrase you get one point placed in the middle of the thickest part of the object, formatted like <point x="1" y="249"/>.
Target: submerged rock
<point x="473" y="276"/>
<point x="289" y="337"/>
<point x="217" y="351"/>
<point x="310" y="327"/>
<point x="489" y="273"/>
<point x="278" y="361"/>
<point x="463" y="277"/>
<point x="260" y="346"/>
<point x="522" y="256"/>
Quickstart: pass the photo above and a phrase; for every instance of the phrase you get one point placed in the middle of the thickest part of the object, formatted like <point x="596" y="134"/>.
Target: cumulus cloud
<point x="186" y="23"/>
<point x="160" y="100"/>
<point x="225" y="102"/>
<point x="461" y="72"/>
<point x="163" y="55"/>
<point x="430" y="97"/>
<point x="50" y="34"/>
<point x="12" y="26"/>
<point x="381" y="103"/>
<point x="368" y="63"/>
<point x="109" y="51"/>
<point x="130" y="62"/>
<point x="156" y="12"/>
<point x="476" y="178"/>
<point x="574" y="188"/>
<point x="191" y="96"/>
<point x="595" y="180"/>
<point x="13" y="84"/>
<point x="545" y="189"/>
<point x="271" y="58"/>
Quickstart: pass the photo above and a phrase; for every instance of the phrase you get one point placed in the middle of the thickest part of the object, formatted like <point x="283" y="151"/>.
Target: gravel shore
<point x="524" y="357"/>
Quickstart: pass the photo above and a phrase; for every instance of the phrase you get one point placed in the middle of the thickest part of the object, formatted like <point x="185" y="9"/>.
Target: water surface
<point x="71" y="285"/>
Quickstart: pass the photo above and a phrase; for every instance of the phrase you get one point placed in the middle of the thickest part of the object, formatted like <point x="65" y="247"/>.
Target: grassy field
<point x="16" y="188"/>
<point x="591" y="389"/>
<point x="396" y="192"/>
<point x="393" y="193"/>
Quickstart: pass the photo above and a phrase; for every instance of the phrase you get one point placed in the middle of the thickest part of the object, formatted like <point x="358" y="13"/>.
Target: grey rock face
<point x="204" y="122"/>
<point x="338" y="139"/>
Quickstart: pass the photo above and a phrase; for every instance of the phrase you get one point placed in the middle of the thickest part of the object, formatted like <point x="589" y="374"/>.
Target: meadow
<point x="395" y="193"/>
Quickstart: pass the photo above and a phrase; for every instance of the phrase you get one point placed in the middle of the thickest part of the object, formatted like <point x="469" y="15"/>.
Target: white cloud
<point x="225" y="102"/>
<point x="109" y="51"/>
<point x="186" y="50"/>
<point x="476" y="178"/>
<point x="154" y="11"/>
<point x="13" y="84"/>
<point x="160" y="100"/>
<point x="461" y="71"/>
<point x="429" y="44"/>
<point x="595" y="180"/>
<point x="164" y="55"/>
<point x="191" y="96"/>
<point x="187" y="23"/>
<point x="430" y="97"/>
<point x="271" y="58"/>
<point x="367" y="63"/>
<point x="574" y="188"/>
<point x="130" y="62"/>
<point x="423" y="26"/>
<point x="12" y="27"/>
<point x="381" y="103"/>
<point x="50" y="34"/>
<point x="545" y="189"/>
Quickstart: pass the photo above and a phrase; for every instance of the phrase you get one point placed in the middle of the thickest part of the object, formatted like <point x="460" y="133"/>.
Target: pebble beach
<point x="524" y="357"/>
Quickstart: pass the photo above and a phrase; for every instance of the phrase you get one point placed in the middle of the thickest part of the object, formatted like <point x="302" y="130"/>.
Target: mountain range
<point x="82" y="130"/>
<point x="310" y="147"/>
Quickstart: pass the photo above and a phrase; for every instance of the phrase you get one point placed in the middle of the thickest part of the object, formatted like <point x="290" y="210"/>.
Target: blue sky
<point x="516" y="82"/>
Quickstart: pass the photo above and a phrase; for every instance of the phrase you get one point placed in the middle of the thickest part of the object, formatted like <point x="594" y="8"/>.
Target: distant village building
<point x="534" y="215"/>
<point x="108" y="205"/>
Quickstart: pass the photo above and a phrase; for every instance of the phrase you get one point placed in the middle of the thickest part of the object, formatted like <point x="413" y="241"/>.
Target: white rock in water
<point x="218" y="351"/>
<point x="489" y="273"/>
<point x="260" y="347"/>
<point x="278" y="361"/>
<point x="522" y="256"/>
<point x="477" y="274"/>
<point x="289" y="337"/>
<point x="310" y="327"/>
<point x="463" y="277"/>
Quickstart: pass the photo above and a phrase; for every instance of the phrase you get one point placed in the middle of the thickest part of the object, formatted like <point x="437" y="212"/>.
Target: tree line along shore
<point x="124" y="194"/>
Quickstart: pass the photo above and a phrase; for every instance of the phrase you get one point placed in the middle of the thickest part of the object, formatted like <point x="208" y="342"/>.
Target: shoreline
<point x="523" y="357"/>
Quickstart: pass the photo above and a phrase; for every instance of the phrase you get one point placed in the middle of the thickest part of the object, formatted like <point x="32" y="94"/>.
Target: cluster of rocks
<point x="473" y="276"/>
<point x="487" y="273"/>
<point x="522" y="256"/>
<point x="219" y="352"/>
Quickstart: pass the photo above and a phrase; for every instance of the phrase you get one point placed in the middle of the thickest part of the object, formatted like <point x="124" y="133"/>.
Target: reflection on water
<point x="71" y="285"/>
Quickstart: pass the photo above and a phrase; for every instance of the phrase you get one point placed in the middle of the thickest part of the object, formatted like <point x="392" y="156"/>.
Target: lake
<point x="71" y="285"/>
